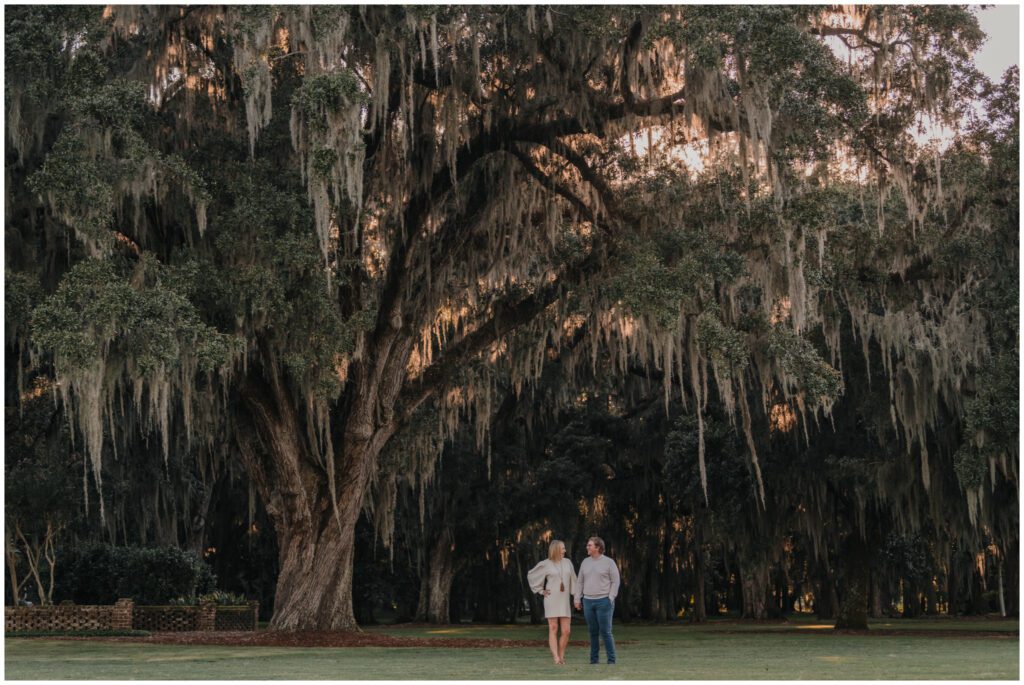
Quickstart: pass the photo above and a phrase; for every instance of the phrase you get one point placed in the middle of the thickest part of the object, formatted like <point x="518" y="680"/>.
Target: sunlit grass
<point x="732" y="650"/>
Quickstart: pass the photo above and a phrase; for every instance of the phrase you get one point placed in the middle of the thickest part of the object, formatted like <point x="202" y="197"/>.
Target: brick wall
<point x="124" y="615"/>
<point x="66" y="618"/>
<point x="237" y="618"/>
<point x="169" y="618"/>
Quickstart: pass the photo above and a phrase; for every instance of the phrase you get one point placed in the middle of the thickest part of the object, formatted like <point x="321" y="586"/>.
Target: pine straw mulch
<point x="323" y="638"/>
<point x="372" y="638"/>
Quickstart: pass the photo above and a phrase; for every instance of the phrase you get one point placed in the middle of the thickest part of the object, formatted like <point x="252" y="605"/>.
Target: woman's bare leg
<point x="563" y="641"/>
<point x="553" y="637"/>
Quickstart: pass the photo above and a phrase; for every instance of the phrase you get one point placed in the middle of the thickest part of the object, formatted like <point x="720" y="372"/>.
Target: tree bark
<point x="1002" y="595"/>
<point x="196" y="533"/>
<point x="877" y="608"/>
<point x="699" y="600"/>
<point x="623" y="604"/>
<point x="10" y="552"/>
<point x="651" y="592"/>
<point x="856" y="578"/>
<point x="826" y="603"/>
<point x="787" y="599"/>
<point x="423" y="600"/>
<point x="953" y="587"/>
<point x="911" y="599"/>
<point x="668" y="604"/>
<point x="1012" y="564"/>
<point x="316" y="544"/>
<point x="755" y="591"/>
<point x="486" y="609"/>
<point x="931" y="597"/>
<point x="314" y="587"/>
<point x="440" y="574"/>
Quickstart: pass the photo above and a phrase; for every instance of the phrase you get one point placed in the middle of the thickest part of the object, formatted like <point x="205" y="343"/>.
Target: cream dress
<point x="559" y="575"/>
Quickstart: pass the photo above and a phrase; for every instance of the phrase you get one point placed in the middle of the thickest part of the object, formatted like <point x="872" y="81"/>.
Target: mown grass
<point x="79" y="633"/>
<point x="719" y="650"/>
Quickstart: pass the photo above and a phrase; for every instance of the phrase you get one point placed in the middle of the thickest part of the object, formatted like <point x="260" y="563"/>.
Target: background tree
<point x="42" y="494"/>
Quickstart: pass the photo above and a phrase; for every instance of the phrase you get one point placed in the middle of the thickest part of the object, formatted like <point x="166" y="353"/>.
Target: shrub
<point x="223" y="598"/>
<point x="101" y="574"/>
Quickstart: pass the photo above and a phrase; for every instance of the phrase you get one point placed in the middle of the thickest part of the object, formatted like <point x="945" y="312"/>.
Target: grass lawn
<point x="719" y="650"/>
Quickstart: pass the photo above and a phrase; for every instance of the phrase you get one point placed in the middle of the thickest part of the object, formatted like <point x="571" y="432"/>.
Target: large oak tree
<point x="298" y="231"/>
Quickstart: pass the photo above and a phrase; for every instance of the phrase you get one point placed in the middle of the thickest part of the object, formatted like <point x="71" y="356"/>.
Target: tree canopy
<point x="301" y="237"/>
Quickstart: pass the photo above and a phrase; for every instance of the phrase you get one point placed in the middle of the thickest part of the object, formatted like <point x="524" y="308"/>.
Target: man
<point x="597" y="585"/>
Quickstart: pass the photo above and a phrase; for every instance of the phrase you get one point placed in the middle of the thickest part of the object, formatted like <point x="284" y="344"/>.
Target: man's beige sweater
<point x="597" y="578"/>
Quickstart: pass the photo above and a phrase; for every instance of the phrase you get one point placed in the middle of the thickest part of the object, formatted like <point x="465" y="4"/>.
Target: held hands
<point x="545" y="592"/>
<point x="579" y="607"/>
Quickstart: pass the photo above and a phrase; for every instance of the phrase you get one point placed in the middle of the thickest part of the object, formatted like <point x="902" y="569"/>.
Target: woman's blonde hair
<point x="556" y="550"/>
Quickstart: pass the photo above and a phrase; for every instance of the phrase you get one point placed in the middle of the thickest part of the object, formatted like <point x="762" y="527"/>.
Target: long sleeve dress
<point x="561" y="582"/>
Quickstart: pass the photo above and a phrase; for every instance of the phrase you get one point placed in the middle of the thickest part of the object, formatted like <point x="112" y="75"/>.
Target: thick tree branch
<point x="416" y="213"/>
<point x="555" y="186"/>
<point x="843" y="34"/>
<point x="453" y="236"/>
<point x="505" y="318"/>
<point x="629" y="50"/>
<point x="605" y="112"/>
<point x="591" y="176"/>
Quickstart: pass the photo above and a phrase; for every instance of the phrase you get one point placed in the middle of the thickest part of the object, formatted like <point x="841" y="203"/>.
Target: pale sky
<point x="1002" y="49"/>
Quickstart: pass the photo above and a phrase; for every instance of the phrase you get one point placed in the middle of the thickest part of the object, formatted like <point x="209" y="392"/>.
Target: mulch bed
<point x="371" y="638"/>
<point x="311" y="638"/>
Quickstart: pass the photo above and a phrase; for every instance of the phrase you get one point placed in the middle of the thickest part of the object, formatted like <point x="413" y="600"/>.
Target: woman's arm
<point x="535" y="577"/>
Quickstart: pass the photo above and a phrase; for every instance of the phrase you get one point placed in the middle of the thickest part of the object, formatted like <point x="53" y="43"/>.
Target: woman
<point x="555" y="579"/>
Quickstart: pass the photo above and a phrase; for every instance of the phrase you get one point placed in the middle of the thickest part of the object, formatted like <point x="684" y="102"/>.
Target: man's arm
<point x="614" y="572"/>
<point x="578" y="590"/>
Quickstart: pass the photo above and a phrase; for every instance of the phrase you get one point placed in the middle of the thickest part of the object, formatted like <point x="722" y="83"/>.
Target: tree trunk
<point x="826" y="603"/>
<point x="440" y="575"/>
<point x="1002" y="596"/>
<point x="196" y="533"/>
<point x="932" y="598"/>
<point x="668" y="603"/>
<point x="1012" y="565"/>
<point x="755" y="591"/>
<point x="699" y="599"/>
<point x="787" y="597"/>
<point x="734" y="594"/>
<point x="877" y="606"/>
<point x="856" y="579"/>
<point x="10" y="552"/>
<point x="952" y="587"/>
<point x="314" y="587"/>
<point x="622" y="602"/>
<point x="487" y="600"/>
<point x="316" y="544"/>
<point x="911" y="599"/>
<point x="652" y="591"/>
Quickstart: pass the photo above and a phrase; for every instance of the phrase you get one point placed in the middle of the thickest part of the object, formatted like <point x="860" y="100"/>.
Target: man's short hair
<point x="598" y="542"/>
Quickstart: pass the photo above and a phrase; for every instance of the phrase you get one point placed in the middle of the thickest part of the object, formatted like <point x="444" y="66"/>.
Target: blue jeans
<point x="598" y="613"/>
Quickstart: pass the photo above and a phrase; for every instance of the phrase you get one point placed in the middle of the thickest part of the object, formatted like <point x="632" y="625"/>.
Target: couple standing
<point x="593" y="591"/>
